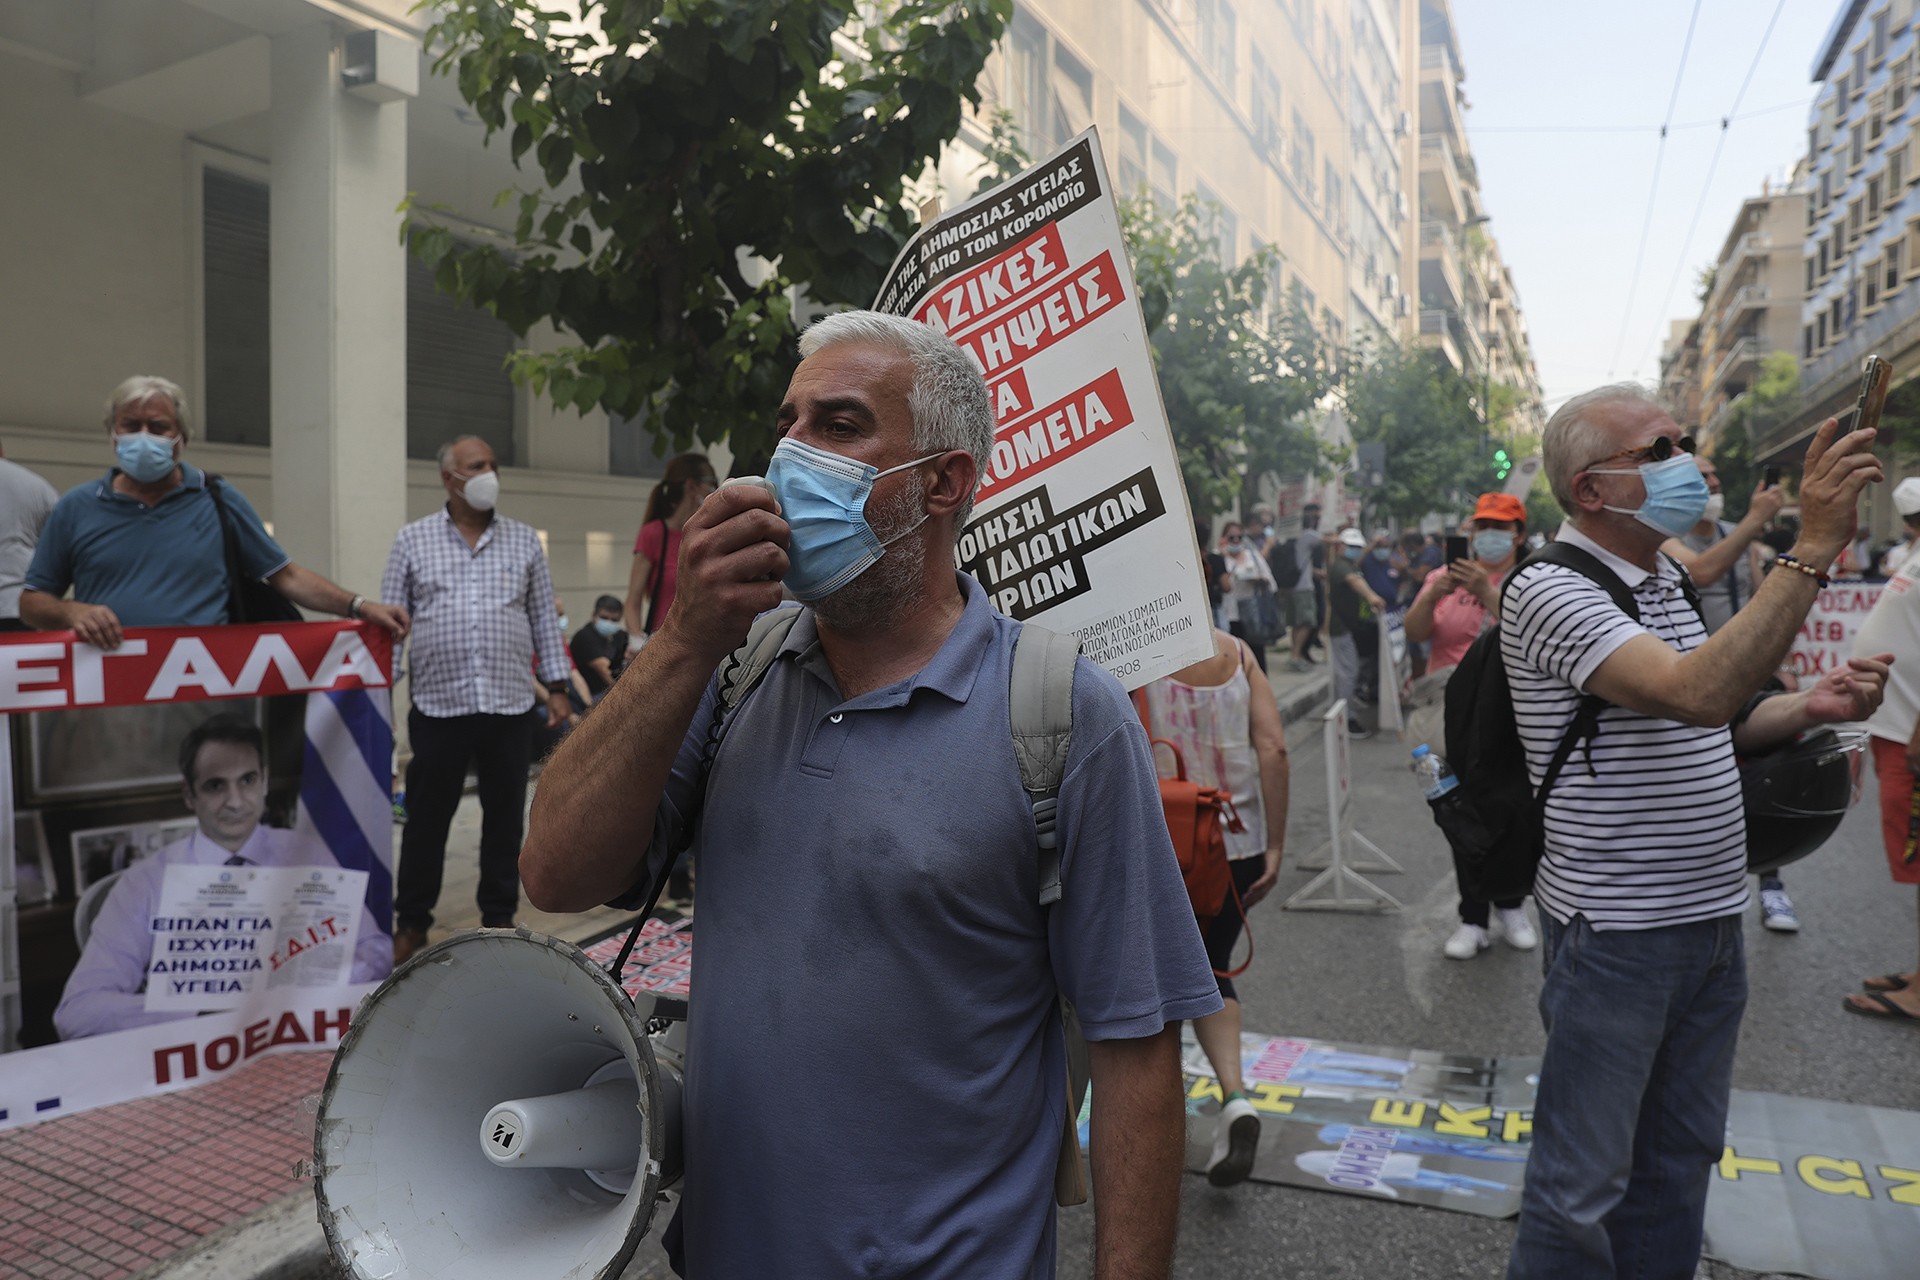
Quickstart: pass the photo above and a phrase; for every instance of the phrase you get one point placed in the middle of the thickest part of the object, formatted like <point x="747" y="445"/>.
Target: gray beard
<point x="890" y="587"/>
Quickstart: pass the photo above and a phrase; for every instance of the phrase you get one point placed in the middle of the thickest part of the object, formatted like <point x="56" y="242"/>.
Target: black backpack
<point x="1284" y="561"/>
<point x="1494" y="819"/>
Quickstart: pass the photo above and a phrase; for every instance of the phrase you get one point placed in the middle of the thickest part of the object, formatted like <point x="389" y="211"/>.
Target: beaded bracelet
<point x="1794" y="562"/>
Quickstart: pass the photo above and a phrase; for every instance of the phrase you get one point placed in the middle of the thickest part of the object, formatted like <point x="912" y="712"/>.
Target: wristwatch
<point x="557" y="687"/>
<point x="353" y="606"/>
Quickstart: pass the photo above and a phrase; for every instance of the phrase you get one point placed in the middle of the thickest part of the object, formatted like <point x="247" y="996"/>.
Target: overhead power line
<point x="1687" y="126"/>
<point x="1653" y="190"/>
<point x="1706" y="187"/>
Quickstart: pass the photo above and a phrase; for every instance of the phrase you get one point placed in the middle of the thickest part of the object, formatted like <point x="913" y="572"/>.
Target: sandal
<point x="1888" y="1009"/>
<point x="1885" y="982"/>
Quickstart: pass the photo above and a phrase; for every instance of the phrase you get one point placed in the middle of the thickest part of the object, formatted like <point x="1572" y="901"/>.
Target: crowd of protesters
<point x="1640" y="890"/>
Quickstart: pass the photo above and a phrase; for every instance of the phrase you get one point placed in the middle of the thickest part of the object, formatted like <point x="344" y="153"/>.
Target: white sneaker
<point x="1468" y="941"/>
<point x="1776" y="911"/>
<point x="1516" y="928"/>
<point x="1234" y="1143"/>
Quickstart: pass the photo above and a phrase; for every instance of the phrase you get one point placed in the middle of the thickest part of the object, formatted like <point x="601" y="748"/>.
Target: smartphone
<point x="1874" y="382"/>
<point x="1456" y="547"/>
<point x="1770" y="477"/>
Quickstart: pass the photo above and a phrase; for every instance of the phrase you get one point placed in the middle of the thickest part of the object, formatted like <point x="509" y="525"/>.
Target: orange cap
<point x="1500" y="506"/>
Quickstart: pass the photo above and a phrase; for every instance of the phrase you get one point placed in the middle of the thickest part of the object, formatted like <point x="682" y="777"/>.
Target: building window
<point x="1133" y="155"/>
<point x="1165" y="172"/>
<point x="1806" y="343"/>
<point x="1331" y="196"/>
<point x="457" y="383"/>
<point x="632" y="450"/>
<point x="1810" y="275"/>
<point x="1217" y="32"/>
<point x="1860" y="69"/>
<point x="1896" y="175"/>
<point x="1027" y="79"/>
<point x="1873" y="199"/>
<point x="1873" y="285"/>
<point x="1880" y="21"/>
<point x="1266" y="109"/>
<point x="1220" y="221"/>
<point x="1893" y="268"/>
<point x="1302" y="154"/>
<point x="1858" y="152"/>
<point x="1840" y="95"/>
<point x="239" y="351"/>
<point x="1854" y="221"/>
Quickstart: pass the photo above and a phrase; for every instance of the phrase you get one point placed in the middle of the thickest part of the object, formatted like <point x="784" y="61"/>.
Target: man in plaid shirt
<point x="481" y="596"/>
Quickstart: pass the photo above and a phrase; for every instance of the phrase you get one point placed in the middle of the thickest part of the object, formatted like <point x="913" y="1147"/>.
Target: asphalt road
<point x="1380" y="979"/>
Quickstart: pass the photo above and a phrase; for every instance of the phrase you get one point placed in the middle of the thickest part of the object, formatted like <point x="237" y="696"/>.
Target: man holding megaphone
<point x="875" y="1059"/>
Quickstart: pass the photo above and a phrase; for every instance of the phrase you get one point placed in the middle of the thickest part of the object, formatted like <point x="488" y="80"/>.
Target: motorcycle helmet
<point x="1796" y="794"/>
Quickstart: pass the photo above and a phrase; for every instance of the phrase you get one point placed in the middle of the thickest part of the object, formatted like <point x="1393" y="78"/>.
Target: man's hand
<point x="733" y="553"/>
<point x="1836" y="472"/>
<point x="96" y="624"/>
<point x="559" y="708"/>
<point x="1268" y="878"/>
<point x="1850" y="694"/>
<point x="391" y="616"/>
<point x="1764" y="505"/>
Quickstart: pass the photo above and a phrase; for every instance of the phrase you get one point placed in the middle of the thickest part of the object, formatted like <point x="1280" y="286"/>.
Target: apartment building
<point x="1754" y="305"/>
<point x="1469" y="309"/>
<point x="1286" y="114"/>
<point x="1680" y="373"/>
<point x="1860" y="230"/>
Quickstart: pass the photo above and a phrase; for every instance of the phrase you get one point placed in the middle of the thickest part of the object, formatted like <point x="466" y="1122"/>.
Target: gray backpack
<point x="1040" y="701"/>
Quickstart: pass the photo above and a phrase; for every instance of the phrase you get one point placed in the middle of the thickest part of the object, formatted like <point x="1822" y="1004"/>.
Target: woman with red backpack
<point x="1220" y="716"/>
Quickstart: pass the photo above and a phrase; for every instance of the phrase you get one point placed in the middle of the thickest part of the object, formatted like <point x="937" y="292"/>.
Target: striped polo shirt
<point x="1645" y="829"/>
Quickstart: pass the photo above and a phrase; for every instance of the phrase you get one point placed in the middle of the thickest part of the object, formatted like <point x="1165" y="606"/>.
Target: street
<point x="1380" y="979"/>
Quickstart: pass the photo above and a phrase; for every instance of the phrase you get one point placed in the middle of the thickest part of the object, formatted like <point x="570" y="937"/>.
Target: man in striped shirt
<point x="1644" y="877"/>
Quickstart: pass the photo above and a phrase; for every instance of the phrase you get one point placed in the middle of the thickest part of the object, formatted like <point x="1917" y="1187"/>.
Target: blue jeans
<point x="1632" y="1110"/>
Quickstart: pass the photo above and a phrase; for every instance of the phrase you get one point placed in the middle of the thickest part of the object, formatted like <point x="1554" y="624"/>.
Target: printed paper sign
<point x="222" y="933"/>
<point x="1081" y="521"/>
<point x="1826" y="638"/>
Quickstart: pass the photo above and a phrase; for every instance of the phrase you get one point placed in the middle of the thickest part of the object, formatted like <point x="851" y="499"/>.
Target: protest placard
<point x="1081" y="521"/>
<point x="213" y="836"/>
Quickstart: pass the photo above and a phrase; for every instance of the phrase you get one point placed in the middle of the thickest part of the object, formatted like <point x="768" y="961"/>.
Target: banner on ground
<point x="157" y="930"/>
<point x="1826" y="637"/>
<point x="1446" y="1130"/>
<point x="1081" y="521"/>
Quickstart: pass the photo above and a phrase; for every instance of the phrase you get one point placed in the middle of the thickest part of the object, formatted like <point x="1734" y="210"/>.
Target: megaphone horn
<point x="496" y="1110"/>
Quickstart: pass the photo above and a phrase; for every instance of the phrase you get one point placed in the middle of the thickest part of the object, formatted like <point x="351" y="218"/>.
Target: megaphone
<point x="498" y="1108"/>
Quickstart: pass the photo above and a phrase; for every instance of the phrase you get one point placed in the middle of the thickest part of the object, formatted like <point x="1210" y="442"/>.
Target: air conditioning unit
<point x="1393" y="284"/>
<point x="1406" y="305"/>
<point x="1406" y="125"/>
<point x="1400" y="205"/>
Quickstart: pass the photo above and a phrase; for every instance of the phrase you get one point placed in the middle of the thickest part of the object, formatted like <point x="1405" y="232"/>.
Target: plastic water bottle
<point x="1436" y="776"/>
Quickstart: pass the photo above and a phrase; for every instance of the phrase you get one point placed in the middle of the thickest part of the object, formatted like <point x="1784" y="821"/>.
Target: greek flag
<point x="345" y="786"/>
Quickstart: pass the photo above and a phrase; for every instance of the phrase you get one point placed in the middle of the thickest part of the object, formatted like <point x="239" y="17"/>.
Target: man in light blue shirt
<point x="142" y="545"/>
<point x="877" y="1078"/>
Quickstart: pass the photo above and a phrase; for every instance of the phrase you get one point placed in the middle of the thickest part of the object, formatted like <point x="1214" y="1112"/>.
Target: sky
<point x="1568" y="203"/>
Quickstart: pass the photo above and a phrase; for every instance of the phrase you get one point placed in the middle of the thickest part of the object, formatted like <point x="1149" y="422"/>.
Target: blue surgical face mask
<point x="1353" y="553"/>
<point x="606" y="627"/>
<point x="823" y="497"/>
<point x="144" y="457"/>
<point x="564" y="620"/>
<point x="1676" y="494"/>
<point x="1382" y="554"/>
<point x="1491" y="546"/>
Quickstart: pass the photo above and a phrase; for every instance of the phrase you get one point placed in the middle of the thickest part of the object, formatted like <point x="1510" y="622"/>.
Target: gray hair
<point x="446" y="450"/>
<point x="1575" y="436"/>
<point x="142" y="387"/>
<point x="949" y="402"/>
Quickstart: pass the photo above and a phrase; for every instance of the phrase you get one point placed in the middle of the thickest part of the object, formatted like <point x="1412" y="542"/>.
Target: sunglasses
<point x="1658" y="450"/>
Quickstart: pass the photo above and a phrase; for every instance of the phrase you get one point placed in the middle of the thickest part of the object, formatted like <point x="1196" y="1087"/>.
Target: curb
<point x="1305" y="699"/>
<point x="281" y="1241"/>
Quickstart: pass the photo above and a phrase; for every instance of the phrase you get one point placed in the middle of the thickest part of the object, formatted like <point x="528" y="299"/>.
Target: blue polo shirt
<point x="876" y="1071"/>
<point x="158" y="566"/>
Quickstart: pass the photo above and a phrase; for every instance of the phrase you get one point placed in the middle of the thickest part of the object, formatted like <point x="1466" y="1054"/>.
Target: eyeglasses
<point x="1659" y="449"/>
<point x="152" y="426"/>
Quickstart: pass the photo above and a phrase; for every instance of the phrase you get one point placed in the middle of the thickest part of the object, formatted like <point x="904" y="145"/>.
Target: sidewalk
<point x="202" y="1183"/>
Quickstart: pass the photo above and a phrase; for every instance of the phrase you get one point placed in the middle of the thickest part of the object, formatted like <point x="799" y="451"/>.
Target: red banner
<point x="53" y="670"/>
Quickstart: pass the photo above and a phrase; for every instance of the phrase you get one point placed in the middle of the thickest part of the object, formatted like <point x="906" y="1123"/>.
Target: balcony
<point x="1717" y="421"/>
<point x="1441" y="190"/>
<point x="1750" y="245"/>
<point x="1829" y="382"/>
<point x="1440" y="96"/>
<point x="1440" y="264"/>
<point x="1444" y="329"/>
<point x="1743" y="355"/>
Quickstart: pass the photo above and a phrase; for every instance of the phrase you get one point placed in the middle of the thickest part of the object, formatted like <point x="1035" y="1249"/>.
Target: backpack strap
<point x="746" y="665"/>
<point x="1040" y="706"/>
<point x="229" y="547"/>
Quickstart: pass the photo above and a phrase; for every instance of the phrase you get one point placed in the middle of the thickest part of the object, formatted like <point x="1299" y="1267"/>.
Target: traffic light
<point x="1502" y="463"/>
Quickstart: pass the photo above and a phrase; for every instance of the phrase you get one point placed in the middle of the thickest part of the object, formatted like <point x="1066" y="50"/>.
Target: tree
<point x="1425" y="413"/>
<point x="1773" y="398"/>
<point x="1237" y="369"/>
<point x="700" y="164"/>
